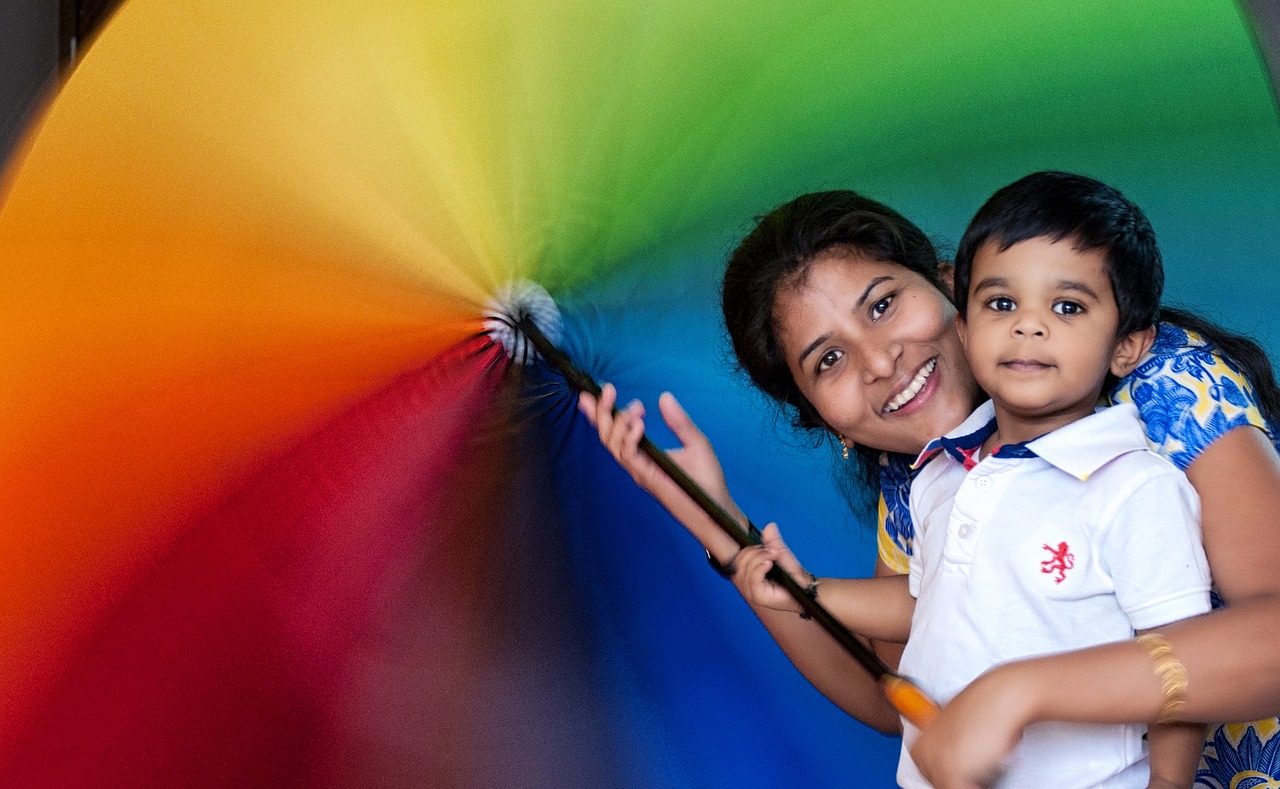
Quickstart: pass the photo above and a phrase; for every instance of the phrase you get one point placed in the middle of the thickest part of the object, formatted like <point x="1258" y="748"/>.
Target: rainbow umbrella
<point x="276" y="512"/>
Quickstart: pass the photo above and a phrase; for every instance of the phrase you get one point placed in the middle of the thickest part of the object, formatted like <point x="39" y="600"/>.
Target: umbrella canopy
<point x="276" y="512"/>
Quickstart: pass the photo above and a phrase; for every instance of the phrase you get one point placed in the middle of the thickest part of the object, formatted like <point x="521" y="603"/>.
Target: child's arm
<point x="878" y="608"/>
<point x="1174" y="752"/>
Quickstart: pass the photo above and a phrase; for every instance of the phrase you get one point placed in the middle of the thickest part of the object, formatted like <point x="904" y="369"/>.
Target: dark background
<point x="37" y="39"/>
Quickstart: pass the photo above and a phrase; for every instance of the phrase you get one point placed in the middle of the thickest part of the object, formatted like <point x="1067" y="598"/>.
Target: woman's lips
<point x="912" y="390"/>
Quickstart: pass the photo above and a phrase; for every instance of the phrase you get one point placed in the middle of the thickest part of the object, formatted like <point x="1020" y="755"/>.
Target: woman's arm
<point x="813" y="652"/>
<point x="889" y="652"/>
<point x="1232" y="655"/>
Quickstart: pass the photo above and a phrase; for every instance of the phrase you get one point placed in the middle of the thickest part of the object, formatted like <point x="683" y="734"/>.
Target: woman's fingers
<point x="966" y="744"/>
<point x="598" y="410"/>
<point x="626" y="432"/>
<point x="621" y="430"/>
<point x="678" y="420"/>
<point x="587" y="405"/>
<point x="604" y="410"/>
<point x="771" y="538"/>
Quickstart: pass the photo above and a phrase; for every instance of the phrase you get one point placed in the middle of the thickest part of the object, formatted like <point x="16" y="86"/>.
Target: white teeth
<point x="904" y="397"/>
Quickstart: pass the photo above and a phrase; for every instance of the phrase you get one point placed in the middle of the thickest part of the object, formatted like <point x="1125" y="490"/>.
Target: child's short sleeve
<point x="1153" y="548"/>
<point x="1188" y="396"/>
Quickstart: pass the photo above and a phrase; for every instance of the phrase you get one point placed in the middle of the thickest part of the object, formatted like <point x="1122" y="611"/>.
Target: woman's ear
<point x="947" y="278"/>
<point x="1130" y="350"/>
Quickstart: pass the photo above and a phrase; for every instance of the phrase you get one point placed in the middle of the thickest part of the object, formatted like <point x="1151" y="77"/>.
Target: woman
<point x="869" y="353"/>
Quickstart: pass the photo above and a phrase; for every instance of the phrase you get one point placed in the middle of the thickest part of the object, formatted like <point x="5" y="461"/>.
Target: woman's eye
<point x="1068" y="308"/>
<point x="828" y="359"/>
<point x="1002" y="304"/>
<point x="881" y="307"/>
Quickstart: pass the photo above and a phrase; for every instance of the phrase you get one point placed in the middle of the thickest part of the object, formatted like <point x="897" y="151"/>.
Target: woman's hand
<point x="621" y="432"/>
<point x="754" y="562"/>
<point x="965" y="746"/>
<point x="814" y="652"/>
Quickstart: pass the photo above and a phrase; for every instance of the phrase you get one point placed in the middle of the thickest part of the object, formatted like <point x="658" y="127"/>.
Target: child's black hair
<point x="1092" y="215"/>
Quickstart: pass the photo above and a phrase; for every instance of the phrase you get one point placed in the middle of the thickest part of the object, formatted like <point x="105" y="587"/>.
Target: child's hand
<point x="754" y="562"/>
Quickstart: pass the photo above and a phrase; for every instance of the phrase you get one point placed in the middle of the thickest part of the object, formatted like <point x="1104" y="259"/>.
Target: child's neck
<point x="1013" y="427"/>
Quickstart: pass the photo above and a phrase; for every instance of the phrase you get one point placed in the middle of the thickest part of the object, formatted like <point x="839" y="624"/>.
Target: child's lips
<point x="1026" y="365"/>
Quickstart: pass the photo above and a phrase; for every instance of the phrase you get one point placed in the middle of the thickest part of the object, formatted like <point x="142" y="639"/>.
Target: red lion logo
<point x="1060" y="560"/>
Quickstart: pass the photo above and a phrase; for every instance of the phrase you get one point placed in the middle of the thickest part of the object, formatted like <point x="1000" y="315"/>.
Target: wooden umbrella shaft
<point x="908" y="699"/>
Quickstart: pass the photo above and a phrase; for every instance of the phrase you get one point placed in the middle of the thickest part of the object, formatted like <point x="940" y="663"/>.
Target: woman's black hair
<point x="1093" y="215"/>
<point x="778" y="252"/>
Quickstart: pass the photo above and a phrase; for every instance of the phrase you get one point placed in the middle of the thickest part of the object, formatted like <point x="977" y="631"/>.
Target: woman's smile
<point x="907" y="398"/>
<point x="873" y="347"/>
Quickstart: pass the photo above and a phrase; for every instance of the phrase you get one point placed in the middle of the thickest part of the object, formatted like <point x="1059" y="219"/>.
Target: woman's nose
<point x="881" y="362"/>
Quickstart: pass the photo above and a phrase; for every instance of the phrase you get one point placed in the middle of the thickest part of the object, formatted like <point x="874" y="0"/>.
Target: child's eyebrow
<point x="1069" y="285"/>
<point x="1078" y="287"/>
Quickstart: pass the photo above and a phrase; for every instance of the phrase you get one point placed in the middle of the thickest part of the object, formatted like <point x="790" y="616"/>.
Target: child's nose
<point x="1029" y="324"/>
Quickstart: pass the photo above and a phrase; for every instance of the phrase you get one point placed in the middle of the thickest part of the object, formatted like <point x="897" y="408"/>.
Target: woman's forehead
<point x="837" y="275"/>
<point x="832" y="286"/>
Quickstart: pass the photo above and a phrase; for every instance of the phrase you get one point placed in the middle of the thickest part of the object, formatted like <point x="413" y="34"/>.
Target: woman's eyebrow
<point x="866" y="294"/>
<point x="813" y="346"/>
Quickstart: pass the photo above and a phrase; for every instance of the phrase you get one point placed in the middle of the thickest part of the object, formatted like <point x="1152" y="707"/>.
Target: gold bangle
<point x="1171" y="673"/>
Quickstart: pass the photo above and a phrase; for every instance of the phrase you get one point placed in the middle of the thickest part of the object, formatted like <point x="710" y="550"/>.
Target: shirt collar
<point x="1088" y="444"/>
<point x="963" y="440"/>
<point x="1079" y="449"/>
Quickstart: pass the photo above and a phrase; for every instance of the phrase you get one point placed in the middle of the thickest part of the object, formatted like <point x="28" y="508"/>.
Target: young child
<point x="1044" y="523"/>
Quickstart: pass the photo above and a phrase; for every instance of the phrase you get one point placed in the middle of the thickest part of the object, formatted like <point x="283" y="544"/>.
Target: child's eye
<point x="881" y="307"/>
<point x="1002" y="304"/>
<point x="1068" y="308"/>
<point x="828" y="360"/>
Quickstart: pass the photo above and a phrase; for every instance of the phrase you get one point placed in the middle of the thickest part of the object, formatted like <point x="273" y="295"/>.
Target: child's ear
<point x="947" y="278"/>
<point x="962" y="329"/>
<point x="1130" y="350"/>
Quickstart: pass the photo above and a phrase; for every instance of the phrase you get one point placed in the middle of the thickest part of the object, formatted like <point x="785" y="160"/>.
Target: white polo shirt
<point x="1074" y="539"/>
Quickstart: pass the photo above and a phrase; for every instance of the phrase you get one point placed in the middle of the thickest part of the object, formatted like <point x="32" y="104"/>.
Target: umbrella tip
<point x="516" y="301"/>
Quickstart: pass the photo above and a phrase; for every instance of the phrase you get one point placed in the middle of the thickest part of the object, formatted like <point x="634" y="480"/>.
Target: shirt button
<point x="983" y="483"/>
<point x="965" y="530"/>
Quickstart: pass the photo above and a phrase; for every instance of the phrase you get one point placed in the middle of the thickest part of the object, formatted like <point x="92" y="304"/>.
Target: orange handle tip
<point x="909" y="700"/>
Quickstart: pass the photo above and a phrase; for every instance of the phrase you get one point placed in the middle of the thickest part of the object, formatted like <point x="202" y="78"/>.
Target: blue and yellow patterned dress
<point x="1188" y="396"/>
